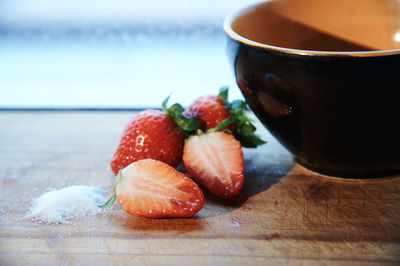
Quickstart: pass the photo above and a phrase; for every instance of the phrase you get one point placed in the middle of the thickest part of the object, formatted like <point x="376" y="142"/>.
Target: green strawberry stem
<point x="111" y="200"/>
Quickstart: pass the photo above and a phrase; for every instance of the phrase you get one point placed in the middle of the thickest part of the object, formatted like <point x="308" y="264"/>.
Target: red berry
<point x="215" y="160"/>
<point x="149" y="134"/>
<point x="210" y="111"/>
<point x="151" y="188"/>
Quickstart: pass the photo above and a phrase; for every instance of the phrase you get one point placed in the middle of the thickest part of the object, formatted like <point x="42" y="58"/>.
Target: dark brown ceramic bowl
<point x="324" y="78"/>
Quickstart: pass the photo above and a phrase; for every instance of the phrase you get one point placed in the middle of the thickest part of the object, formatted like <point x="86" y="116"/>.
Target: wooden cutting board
<point x="284" y="215"/>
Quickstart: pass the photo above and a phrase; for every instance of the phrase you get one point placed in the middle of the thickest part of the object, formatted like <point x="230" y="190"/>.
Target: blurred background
<point x="112" y="54"/>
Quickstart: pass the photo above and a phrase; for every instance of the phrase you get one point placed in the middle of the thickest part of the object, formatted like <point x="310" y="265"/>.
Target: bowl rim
<point x="227" y="26"/>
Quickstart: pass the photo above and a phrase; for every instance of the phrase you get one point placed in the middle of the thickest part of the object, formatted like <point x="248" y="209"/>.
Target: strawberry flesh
<point x="150" y="188"/>
<point x="215" y="160"/>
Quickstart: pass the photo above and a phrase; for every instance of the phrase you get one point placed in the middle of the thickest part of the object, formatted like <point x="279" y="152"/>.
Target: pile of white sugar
<point x="61" y="205"/>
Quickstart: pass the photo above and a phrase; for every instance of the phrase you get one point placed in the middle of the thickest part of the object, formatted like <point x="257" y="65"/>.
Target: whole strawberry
<point x="156" y="135"/>
<point x="210" y="110"/>
<point x="149" y="134"/>
<point x="215" y="113"/>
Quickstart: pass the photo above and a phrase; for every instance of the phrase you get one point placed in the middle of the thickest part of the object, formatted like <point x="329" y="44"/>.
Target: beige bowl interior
<point x="323" y="25"/>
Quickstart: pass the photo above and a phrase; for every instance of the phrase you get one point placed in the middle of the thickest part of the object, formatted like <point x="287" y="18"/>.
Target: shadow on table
<point x="259" y="177"/>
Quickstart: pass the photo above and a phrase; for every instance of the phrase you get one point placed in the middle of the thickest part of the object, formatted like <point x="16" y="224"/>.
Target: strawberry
<point x="210" y="110"/>
<point x="154" y="134"/>
<point x="149" y="134"/>
<point x="215" y="160"/>
<point x="150" y="188"/>
<point x="216" y="113"/>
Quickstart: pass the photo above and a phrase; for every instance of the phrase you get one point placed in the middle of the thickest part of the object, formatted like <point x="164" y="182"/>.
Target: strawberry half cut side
<point x="215" y="160"/>
<point x="150" y="188"/>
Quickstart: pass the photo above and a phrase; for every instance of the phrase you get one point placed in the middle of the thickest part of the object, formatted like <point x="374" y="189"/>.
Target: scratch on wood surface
<point x="104" y="243"/>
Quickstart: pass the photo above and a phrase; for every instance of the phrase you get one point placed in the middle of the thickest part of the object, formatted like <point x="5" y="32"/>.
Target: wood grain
<point x="285" y="215"/>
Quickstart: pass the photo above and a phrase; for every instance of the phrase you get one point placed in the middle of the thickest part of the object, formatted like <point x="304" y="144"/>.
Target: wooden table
<point x="284" y="215"/>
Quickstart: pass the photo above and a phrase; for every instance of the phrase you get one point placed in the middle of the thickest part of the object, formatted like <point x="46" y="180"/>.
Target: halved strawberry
<point x="215" y="159"/>
<point x="151" y="188"/>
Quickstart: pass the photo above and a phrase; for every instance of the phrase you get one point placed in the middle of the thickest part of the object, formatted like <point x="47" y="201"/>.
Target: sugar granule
<point x="61" y="205"/>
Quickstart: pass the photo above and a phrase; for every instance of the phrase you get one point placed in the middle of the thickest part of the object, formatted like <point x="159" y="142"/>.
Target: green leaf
<point x="186" y="123"/>
<point x="251" y="141"/>
<point x="228" y="131"/>
<point x="245" y="127"/>
<point x="243" y="116"/>
<point x="175" y="111"/>
<point x="245" y="132"/>
<point x="223" y="94"/>
<point x="224" y="123"/>
<point x="237" y="107"/>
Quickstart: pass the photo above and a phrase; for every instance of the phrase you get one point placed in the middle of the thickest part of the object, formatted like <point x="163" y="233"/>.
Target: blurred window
<point x="111" y="54"/>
